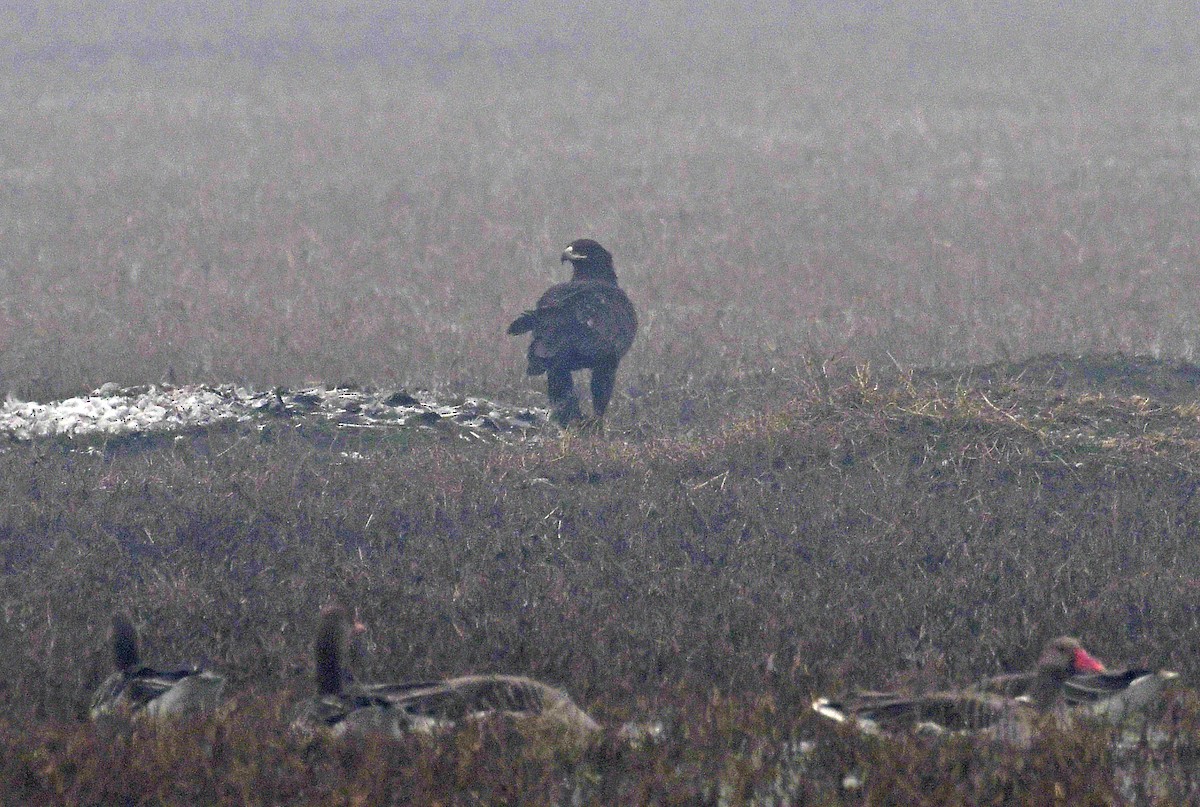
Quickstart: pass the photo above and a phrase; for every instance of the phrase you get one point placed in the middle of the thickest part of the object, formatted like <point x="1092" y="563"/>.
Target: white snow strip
<point x="113" y="411"/>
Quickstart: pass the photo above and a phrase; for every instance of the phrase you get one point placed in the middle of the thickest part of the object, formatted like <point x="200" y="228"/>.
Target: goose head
<point x="334" y="633"/>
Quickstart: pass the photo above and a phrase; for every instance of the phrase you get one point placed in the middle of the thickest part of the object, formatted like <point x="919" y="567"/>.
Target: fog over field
<point x="207" y="187"/>
<point x="913" y="390"/>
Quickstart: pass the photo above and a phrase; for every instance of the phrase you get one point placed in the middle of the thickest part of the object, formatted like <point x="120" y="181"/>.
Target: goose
<point x="135" y="690"/>
<point x="1111" y="695"/>
<point x="584" y="323"/>
<point x="343" y="706"/>
<point x="969" y="710"/>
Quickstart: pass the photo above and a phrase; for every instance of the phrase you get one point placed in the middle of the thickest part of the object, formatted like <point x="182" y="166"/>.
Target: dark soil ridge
<point x="1172" y="381"/>
<point x="1059" y="406"/>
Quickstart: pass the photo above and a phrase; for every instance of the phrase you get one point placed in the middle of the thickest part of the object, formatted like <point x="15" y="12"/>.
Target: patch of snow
<point x="111" y="410"/>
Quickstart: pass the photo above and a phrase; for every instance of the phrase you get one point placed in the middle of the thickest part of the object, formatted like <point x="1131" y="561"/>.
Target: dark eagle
<point x="585" y="323"/>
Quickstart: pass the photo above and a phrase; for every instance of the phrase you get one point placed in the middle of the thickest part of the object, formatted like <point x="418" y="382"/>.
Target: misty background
<point x="362" y="191"/>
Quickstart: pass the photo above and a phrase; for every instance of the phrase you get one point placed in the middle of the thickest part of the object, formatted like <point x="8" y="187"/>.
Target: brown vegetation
<point x="780" y="508"/>
<point x="716" y="584"/>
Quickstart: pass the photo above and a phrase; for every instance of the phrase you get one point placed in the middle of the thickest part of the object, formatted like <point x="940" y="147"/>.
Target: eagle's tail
<point x="523" y="324"/>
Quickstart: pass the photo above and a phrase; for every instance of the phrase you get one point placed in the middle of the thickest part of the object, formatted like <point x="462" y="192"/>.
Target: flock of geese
<point x="341" y="705"/>
<point x="1066" y="682"/>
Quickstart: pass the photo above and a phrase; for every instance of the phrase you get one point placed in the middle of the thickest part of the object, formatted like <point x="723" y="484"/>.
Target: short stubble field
<point x="779" y="508"/>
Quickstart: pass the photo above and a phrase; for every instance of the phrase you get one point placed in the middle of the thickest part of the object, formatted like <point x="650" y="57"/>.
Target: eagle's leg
<point x="604" y="376"/>
<point x="564" y="403"/>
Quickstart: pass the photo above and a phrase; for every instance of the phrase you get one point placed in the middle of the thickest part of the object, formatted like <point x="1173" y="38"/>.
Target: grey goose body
<point x="138" y="690"/>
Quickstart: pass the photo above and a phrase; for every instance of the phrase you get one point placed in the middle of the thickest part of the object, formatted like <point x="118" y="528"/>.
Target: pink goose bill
<point x="1085" y="662"/>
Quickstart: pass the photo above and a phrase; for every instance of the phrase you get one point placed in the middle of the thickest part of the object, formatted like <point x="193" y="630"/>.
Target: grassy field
<point x="883" y="424"/>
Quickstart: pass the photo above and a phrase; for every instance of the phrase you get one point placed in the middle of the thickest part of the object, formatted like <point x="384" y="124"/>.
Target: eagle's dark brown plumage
<point x="585" y="323"/>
